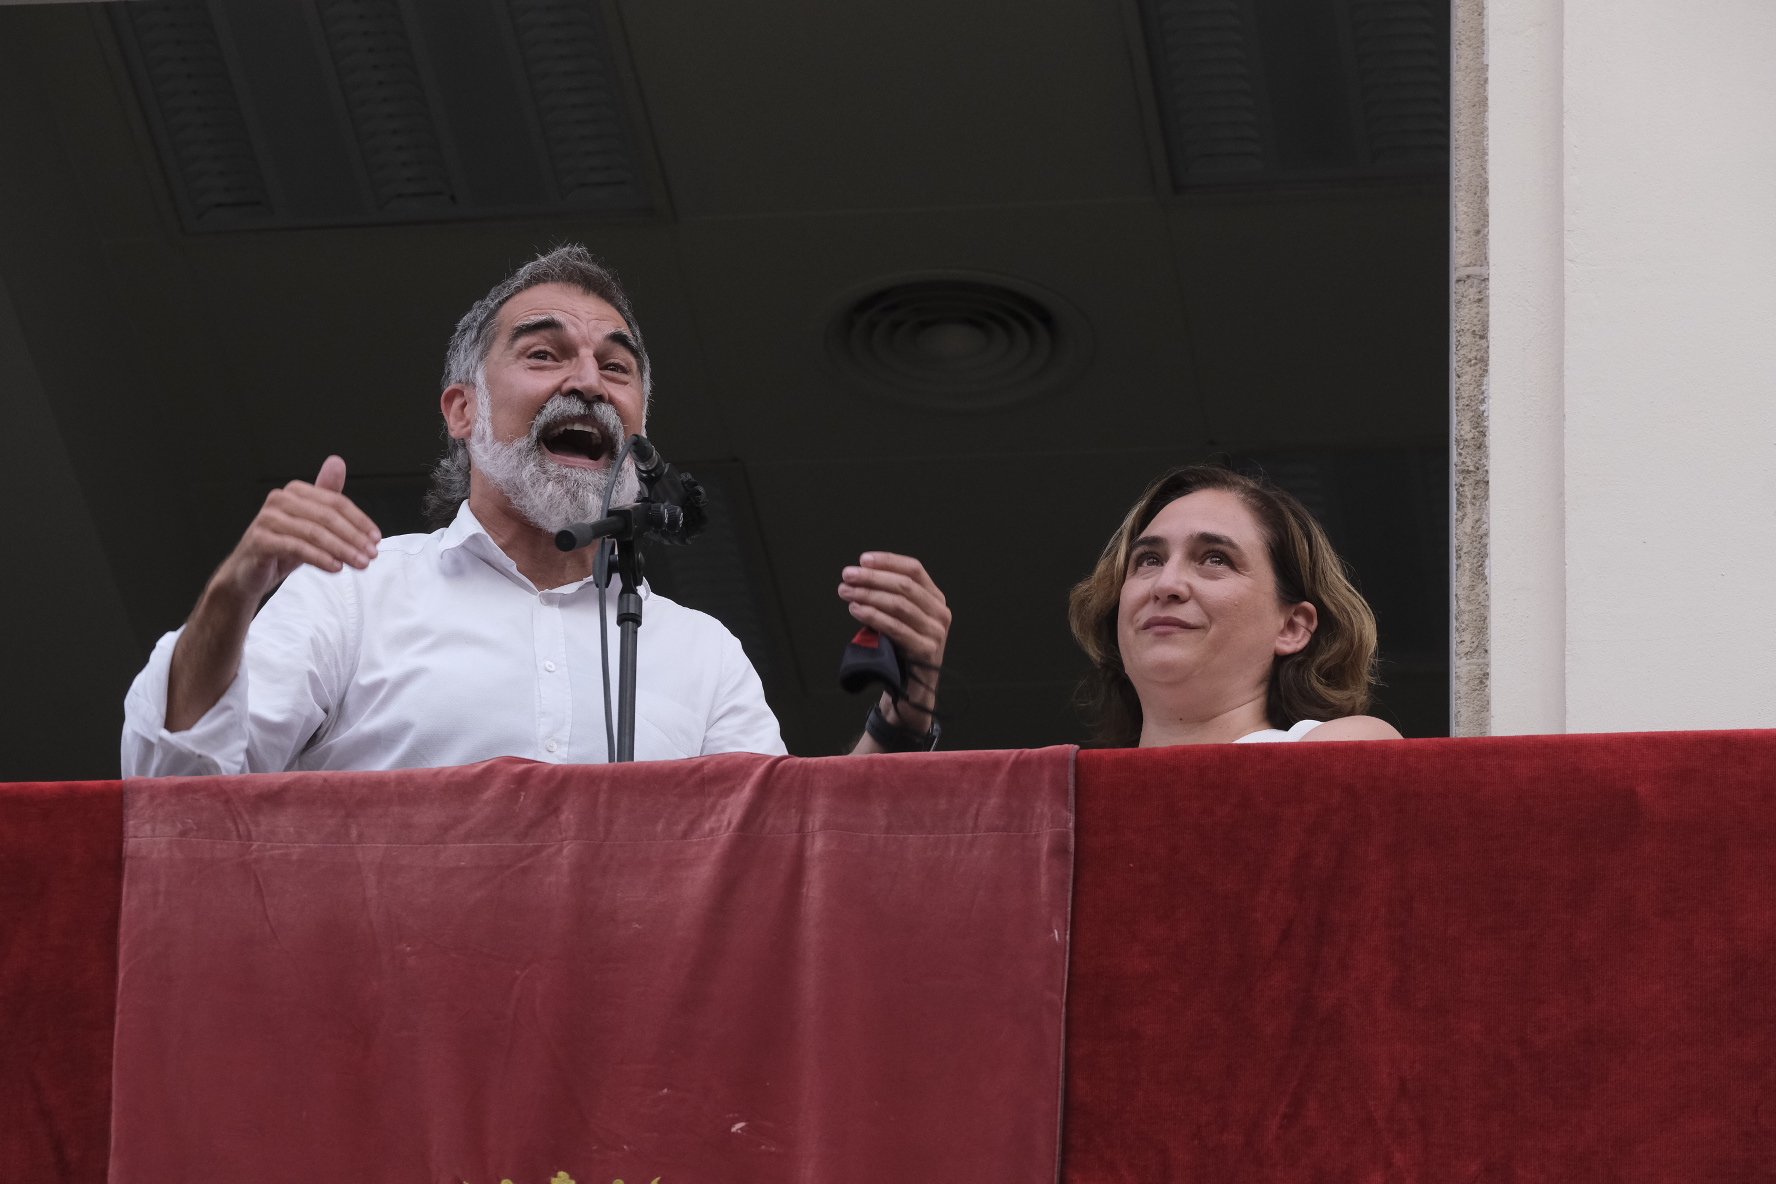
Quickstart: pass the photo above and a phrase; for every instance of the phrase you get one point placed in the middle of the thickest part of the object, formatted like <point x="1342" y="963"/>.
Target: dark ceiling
<point x="953" y="277"/>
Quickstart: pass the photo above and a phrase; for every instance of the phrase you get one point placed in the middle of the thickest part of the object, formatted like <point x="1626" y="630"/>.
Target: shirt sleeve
<point x="740" y="719"/>
<point x="297" y="661"/>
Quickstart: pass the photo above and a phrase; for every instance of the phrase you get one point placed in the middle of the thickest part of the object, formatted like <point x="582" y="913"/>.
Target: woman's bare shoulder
<point x="1354" y="727"/>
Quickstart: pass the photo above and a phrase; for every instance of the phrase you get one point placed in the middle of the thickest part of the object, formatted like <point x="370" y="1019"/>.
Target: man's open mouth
<point x="575" y="442"/>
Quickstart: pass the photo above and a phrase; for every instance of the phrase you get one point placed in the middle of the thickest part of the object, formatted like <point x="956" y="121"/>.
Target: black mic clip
<point x="674" y="511"/>
<point x="667" y="485"/>
<point x="625" y="523"/>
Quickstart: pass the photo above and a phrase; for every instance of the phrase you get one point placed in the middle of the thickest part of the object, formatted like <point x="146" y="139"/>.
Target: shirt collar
<point x="465" y="531"/>
<point x="462" y="528"/>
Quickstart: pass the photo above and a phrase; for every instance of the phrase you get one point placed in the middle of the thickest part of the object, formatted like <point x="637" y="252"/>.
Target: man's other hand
<point x="895" y="596"/>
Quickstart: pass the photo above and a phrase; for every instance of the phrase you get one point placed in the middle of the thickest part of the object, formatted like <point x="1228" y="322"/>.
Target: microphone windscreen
<point x="870" y="658"/>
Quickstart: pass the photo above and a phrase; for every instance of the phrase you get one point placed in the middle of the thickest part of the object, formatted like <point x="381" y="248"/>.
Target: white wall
<point x="1631" y="399"/>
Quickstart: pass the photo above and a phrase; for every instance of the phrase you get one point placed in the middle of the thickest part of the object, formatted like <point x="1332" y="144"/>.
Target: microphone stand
<point x="625" y="526"/>
<point x="628" y="629"/>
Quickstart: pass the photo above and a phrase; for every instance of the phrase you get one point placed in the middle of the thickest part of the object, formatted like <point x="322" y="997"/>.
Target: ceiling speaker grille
<point x="368" y="42"/>
<point x="1402" y="66"/>
<point x="958" y="342"/>
<point x="577" y="100"/>
<point x="210" y="150"/>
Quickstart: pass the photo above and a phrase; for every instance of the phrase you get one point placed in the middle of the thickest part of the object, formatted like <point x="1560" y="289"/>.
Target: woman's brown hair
<point x="1329" y="678"/>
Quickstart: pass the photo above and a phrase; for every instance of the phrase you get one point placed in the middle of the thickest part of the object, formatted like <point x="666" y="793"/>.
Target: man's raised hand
<point x="301" y="523"/>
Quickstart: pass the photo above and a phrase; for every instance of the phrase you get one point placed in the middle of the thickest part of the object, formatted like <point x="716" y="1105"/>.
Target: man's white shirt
<point x="441" y="652"/>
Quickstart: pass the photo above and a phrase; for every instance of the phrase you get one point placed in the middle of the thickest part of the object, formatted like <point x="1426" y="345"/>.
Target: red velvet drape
<point x="737" y="968"/>
<point x="1524" y="959"/>
<point x="61" y="873"/>
<point x="1538" y="960"/>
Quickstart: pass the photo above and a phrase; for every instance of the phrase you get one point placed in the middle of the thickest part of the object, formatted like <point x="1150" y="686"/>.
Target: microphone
<point x="650" y="466"/>
<point x="666" y="485"/>
<point x="871" y="657"/>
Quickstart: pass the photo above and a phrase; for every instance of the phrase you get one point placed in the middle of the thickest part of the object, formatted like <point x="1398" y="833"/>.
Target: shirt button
<point x="549" y="666"/>
<point x="551" y="746"/>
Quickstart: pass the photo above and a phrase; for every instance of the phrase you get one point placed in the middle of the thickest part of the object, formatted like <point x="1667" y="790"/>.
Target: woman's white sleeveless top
<point x="1277" y="735"/>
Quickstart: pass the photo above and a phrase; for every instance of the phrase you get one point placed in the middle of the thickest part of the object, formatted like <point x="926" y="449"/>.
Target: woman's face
<point x="1199" y="614"/>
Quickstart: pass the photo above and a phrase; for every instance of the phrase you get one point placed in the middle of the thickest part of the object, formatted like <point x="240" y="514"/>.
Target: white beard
<point x="550" y="495"/>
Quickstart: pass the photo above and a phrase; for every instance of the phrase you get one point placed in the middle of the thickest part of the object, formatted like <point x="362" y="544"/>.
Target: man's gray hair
<point x="466" y="359"/>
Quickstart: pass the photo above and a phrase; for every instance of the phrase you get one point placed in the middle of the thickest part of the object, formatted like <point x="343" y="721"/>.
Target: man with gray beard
<point x="481" y="639"/>
<point x="545" y="492"/>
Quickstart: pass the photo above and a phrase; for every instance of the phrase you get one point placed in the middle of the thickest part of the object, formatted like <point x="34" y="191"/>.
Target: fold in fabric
<point x="730" y="969"/>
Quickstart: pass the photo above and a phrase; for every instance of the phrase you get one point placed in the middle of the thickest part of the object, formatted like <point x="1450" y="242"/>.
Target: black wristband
<point x="895" y="738"/>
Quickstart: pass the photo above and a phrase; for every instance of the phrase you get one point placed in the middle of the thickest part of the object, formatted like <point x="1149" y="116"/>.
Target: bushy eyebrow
<point x="542" y="324"/>
<point x="548" y="323"/>
<point x="619" y="337"/>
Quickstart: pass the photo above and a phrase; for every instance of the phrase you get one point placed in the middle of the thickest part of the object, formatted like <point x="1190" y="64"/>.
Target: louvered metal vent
<point x="1207" y="80"/>
<point x="1402" y="60"/>
<point x="205" y="139"/>
<point x="958" y="342"/>
<point x="576" y="97"/>
<point x="1257" y="91"/>
<point x="343" y="112"/>
<point x="390" y="116"/>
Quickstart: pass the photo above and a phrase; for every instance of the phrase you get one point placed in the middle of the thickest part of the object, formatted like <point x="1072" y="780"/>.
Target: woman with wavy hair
<point x="1219" y="612"/>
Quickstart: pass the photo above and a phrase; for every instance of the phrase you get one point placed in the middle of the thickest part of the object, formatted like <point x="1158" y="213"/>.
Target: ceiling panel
<point x="767" y="291"/>
<point x="784" y="105"/>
